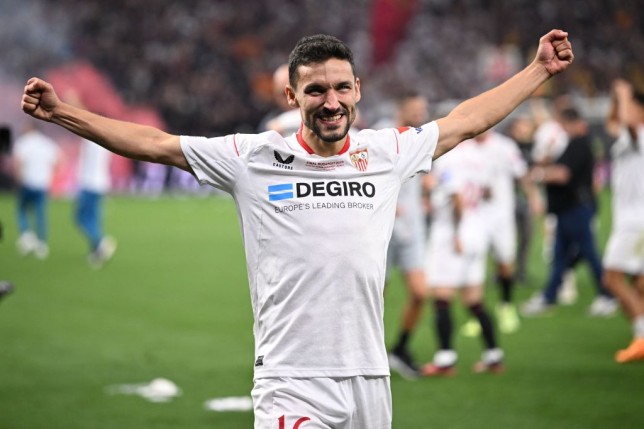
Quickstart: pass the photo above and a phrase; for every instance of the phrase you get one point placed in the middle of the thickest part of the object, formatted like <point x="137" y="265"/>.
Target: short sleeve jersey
<point x="507" y="164"/>
<point x="315" y="232"/>
<point x="37" y="156"/>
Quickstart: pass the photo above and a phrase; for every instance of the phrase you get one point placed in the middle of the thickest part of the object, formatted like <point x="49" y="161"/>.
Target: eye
<point x="314" y="90"/>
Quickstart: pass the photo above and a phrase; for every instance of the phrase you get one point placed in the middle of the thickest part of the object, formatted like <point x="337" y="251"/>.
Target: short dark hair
<point x="406" y="94"/>
<point x="317" y="49"/>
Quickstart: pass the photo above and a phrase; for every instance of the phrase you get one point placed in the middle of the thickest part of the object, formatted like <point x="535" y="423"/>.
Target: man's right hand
<point x="39" y="99"/>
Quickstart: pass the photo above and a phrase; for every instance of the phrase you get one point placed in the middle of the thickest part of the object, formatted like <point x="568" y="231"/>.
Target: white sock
<point x="638" y="327"/>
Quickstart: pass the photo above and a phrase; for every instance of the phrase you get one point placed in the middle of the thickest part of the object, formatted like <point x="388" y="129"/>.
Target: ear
<point x="358" y="94"/>
<point x="290" y="97"/>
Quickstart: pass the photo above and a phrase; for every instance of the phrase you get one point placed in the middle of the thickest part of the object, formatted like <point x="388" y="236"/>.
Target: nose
<point x="331" y="101"/>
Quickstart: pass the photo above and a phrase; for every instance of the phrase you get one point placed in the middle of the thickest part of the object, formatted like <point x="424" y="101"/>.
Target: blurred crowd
<point x="206" y="65"/>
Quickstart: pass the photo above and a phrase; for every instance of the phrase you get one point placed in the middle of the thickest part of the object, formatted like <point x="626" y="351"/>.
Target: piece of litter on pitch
<point x="158" y="390"/>
<point x="233" y="403"/>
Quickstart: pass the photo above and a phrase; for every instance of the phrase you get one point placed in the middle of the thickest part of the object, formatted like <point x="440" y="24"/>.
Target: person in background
<point x="36" y="158"/>
<point x="550" y="140"/>
<point x="93" y="183"/>
<point x="93" y="180"/>
<point x="569" y="182"/>
<point x="507" y="166"/>
<point x="457" y="252"/>
<point x="284" y="119"/>
<point x="624" y="256"/>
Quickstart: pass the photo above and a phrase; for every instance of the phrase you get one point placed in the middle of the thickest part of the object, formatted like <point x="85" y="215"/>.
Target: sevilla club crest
<point x="360" y="159"/>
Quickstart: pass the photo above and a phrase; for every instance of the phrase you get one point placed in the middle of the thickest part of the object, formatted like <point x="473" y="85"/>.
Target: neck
<point x="314" y="144"/>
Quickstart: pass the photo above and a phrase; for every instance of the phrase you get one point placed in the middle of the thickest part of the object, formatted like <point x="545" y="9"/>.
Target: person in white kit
<point x="315" y="221"/>
<point x="624" y="255"/>
<point x="457" y="252"/>
<point x="36" y="158"/>
<point x="94" y="182"/>
<point x="507" y="166"/>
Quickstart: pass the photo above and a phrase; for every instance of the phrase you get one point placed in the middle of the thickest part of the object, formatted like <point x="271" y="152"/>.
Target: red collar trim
<point x="310" y="151"/>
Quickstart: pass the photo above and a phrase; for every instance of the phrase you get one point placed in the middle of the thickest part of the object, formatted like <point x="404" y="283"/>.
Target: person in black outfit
<point x="569" y="191"/>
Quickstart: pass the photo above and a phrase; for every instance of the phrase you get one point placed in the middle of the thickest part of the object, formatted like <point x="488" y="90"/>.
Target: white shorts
<point x="502" y="239"/>
<point x="406" y="253"/>
<point x="446" y="268"/>
<point x="322" y="403"/>
<point x="625" y="251"/>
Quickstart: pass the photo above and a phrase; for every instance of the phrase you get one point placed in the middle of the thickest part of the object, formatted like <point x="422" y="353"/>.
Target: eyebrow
<point x="318" y="86"/>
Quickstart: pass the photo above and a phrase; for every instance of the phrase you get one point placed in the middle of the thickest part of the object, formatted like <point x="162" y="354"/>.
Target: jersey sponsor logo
<point x="333" y="188"/>
<point x="360" y="159"/>
<point x="259" y="361"/>
<point x="280" y="192"/>
<point x="283" y="162"/>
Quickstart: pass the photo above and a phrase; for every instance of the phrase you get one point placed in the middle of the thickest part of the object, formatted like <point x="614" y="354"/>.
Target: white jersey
<point x="506" y="163"/>
<point x="627" y="181"/>
<point x="463" y="171"/>
<point x="315" y="232"/>
<point x="94" y="167"/>
<point x="37" y="156"/>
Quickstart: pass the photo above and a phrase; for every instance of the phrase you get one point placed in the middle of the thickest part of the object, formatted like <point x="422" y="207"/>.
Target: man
<point x="571" y="198"/>
<point x="506" y="166"/>
<point x="407" y="245"/>
<point x="36" y="159"/>
<point x="550" y="140"/>
<point x="93" y="183"/>
<point x="284" y="119"/>
<point x="456" y="254"/>
<point x="624" y="255"/>
<point x="316" y="211"/>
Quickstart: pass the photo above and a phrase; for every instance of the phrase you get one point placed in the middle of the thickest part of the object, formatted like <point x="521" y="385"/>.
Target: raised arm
<point x="624" y="110"/>
<point x="474" y="116"/>
<point x="131" y="140"/>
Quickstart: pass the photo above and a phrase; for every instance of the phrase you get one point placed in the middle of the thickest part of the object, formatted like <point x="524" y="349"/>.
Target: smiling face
<point x="327" y="94"/>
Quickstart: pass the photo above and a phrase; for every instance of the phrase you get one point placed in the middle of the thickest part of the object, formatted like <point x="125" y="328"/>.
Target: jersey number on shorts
<point x="282" y="421"/>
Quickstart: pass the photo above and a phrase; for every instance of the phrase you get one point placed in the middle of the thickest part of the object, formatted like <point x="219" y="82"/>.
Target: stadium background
<point x="174" y="302"/>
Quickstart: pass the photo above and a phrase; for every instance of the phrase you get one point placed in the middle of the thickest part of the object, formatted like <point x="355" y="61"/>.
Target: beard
<point x="334" y="135"/>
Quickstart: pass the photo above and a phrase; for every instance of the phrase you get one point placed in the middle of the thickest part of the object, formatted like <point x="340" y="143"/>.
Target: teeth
<point x="332" y="118"/>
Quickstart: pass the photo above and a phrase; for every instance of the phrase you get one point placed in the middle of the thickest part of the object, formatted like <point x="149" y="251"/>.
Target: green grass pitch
<point x="174" y="303"/>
